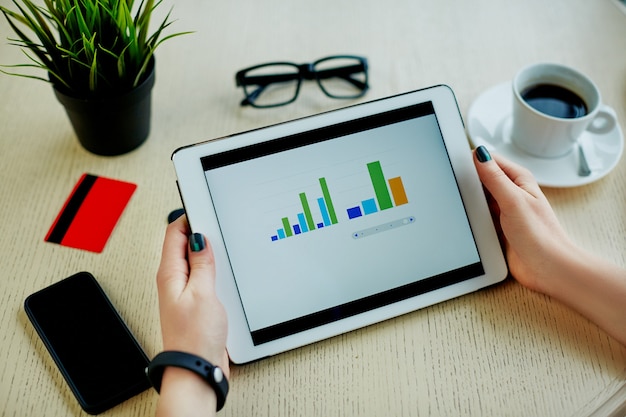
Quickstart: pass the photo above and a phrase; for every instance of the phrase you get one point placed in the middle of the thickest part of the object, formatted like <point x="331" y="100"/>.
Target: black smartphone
<point x="95" y="351"/>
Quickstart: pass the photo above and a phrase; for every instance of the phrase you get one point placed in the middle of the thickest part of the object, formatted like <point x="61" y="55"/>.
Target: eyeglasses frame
<point x="304" y="72"/>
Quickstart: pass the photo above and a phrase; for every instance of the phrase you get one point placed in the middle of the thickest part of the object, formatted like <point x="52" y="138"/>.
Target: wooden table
<point x="501" y="351"/>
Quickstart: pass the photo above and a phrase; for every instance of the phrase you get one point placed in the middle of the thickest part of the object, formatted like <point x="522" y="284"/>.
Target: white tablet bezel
<point x="203" y="219"/>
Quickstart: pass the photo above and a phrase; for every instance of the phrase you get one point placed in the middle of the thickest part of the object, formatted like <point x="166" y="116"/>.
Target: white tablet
<point x="336" y="221"/>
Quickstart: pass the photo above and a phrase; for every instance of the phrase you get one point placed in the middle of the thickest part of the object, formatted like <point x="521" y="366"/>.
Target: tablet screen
<point x="332" y="222"/>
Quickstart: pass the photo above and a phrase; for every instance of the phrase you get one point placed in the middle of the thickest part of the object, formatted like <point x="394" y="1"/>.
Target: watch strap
<point x="212" y="374"/>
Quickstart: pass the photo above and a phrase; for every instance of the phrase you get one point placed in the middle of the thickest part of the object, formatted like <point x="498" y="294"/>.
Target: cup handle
<point x="604" y="122"/>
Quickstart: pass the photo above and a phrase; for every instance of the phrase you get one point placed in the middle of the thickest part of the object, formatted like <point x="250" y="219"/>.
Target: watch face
<point x="218" y="375"/>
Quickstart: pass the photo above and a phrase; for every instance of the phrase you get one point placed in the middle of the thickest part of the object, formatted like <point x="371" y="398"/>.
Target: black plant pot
<point x="113" y="125"/>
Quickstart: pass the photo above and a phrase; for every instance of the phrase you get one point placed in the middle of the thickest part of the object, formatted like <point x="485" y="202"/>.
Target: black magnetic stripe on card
<point x="71" y="208"/>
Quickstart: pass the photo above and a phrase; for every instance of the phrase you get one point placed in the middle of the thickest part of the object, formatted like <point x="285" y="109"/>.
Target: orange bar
<point x="397" y="190"/>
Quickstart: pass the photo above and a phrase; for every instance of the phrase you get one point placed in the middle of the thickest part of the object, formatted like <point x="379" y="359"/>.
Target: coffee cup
<point x="552" y="106"/>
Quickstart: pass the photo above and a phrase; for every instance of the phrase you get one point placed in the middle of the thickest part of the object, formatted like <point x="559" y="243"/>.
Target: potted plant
<point x="99" y="57"/>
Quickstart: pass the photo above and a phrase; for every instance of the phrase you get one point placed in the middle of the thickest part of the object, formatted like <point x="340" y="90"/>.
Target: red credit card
<point x="90" y="213"/>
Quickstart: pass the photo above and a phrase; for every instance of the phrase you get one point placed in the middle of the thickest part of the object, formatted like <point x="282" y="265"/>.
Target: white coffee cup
<point x="552" y="127"/>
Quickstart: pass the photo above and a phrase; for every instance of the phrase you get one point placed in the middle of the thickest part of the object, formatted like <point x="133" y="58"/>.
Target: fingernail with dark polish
<point x="175" y="214"/>
<point x="196" y="242"/>
<point x="483" y="154"/>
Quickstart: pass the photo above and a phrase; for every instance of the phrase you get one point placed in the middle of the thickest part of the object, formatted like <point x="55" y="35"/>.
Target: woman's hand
<point x="193" y="320"/>
<point x="540" y="254"/>
<point x="533" y="239"/>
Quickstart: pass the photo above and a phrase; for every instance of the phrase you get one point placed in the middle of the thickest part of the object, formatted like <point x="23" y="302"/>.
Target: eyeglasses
<point x="278" y="83"/>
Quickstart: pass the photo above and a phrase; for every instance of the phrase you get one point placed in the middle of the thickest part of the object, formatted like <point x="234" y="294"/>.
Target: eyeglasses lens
<point x="342" y="77"/>
<point x="271" y="85"/>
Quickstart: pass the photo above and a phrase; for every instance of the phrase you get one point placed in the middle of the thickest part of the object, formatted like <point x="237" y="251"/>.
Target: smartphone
<point x="95" y="351"/>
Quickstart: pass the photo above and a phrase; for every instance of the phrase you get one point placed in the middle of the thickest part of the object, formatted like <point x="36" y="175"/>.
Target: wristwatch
<point x="212" y="374"/>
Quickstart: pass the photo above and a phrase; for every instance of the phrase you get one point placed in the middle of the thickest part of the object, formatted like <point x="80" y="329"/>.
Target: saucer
<point x="489" y="124"/>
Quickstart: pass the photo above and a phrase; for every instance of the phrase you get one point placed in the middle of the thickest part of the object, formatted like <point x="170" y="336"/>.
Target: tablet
<point x="333" y="222"/>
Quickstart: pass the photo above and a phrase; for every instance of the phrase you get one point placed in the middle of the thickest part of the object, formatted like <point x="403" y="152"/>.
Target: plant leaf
<point x="90" y="47"/>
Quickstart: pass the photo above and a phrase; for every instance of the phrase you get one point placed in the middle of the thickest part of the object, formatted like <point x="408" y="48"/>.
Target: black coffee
<point x="555" y="101"/>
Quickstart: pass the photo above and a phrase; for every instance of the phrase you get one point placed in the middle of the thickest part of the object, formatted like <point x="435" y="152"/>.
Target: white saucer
<point x="489" y="124"/>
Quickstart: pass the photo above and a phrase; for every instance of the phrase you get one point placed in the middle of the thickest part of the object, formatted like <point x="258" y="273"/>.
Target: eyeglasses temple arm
<point x="250" y="98"/>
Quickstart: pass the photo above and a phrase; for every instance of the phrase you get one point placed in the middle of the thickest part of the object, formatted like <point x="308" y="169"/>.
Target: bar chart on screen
<point x="319" y="211"/>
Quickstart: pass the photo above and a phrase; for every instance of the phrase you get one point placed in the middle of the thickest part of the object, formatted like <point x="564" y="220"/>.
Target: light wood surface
<point x="503" y="351"/>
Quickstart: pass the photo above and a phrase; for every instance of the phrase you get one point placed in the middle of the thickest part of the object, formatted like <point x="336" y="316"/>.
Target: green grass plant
<point x="89" y="48"/>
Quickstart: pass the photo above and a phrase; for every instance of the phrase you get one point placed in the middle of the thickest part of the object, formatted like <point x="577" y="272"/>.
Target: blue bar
<point x="280" y="233"/>
<point x="354" y="212"/>
<point x="320" y="225"/>
<point x="296" y="229"/>
<point x="302" y="222"/>
<point x="369" y="206"/>
<point x="324" y="210"/>
<point x="274" y="238"/>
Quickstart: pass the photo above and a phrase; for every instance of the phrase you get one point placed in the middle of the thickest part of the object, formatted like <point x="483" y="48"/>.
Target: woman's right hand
<point x="541" y="256"/>
<point x="533" y="238"/>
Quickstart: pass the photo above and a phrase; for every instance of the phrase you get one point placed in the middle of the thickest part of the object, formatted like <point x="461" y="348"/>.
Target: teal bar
<point x="302" y="221"/>
<point x="369" y="206"/>
<point x="324" y="211"/>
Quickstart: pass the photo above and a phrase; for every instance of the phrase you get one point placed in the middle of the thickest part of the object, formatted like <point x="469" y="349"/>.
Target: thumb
<point x="504" y="179"/>
<point x="201" y="263"/>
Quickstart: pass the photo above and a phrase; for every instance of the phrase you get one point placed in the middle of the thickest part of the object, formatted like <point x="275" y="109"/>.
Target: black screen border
<point x="362" y="305"/>
<point x="313" y="136"/>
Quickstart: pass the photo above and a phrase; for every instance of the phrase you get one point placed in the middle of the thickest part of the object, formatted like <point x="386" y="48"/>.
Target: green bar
<point x="329" y="202"/>
<point x="380" y="185"/>
<point x="307" y="211"/>
<point x="287" y="227"/>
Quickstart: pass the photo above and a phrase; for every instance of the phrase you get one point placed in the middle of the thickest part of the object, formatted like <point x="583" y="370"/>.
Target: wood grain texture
<point x="502" y="351"/>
